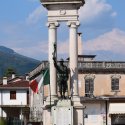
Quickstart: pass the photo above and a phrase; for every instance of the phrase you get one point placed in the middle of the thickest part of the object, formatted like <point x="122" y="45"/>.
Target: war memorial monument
<point x="61" y="111"/>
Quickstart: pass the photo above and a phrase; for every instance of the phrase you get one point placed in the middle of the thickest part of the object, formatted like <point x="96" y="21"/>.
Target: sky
<point x="23" y="29"/>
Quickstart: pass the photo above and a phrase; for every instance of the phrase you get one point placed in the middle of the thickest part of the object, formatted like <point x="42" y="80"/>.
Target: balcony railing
<point x="94" y="65"/>
<point x="102" y="65"/>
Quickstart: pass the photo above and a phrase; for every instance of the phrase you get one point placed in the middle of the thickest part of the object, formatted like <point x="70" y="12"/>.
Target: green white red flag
<point x="42" y="79"/>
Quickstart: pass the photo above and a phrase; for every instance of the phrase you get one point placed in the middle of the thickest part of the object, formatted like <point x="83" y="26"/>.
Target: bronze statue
<point x="62" y="74"/>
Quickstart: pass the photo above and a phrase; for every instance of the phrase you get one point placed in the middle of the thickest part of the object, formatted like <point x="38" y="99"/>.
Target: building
<point x="14" y="100"/>
<point x="101" y="89"/>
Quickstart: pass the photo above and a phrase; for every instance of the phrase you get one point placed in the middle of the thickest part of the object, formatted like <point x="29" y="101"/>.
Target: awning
<point x="117" y="108"/>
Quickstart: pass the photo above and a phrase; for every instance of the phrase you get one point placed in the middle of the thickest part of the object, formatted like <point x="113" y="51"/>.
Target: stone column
<point x="73" y="55"/>
<point x="52" y="40"/>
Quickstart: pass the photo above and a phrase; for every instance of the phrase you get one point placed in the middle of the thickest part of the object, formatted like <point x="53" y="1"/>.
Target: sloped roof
<point x="17" y="78"/>
<point x="22" y="84"/>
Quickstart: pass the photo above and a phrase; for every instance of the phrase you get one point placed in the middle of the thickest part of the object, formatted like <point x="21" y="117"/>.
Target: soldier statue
<point x="62" y="75"/>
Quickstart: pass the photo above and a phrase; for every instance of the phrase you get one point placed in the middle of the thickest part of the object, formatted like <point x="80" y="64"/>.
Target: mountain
<point x="10" y="59"/>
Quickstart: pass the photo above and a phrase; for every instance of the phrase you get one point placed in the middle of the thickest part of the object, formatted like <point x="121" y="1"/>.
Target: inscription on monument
<point x="62" y="115"/>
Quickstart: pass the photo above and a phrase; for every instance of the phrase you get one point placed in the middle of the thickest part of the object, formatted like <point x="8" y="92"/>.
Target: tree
<point x="9" y="71"/>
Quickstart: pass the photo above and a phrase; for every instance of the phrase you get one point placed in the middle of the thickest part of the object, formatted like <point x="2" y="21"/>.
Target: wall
<point x="102" y="85"/>
<point x="95" y="113"/>
<point x="21" y="98"/>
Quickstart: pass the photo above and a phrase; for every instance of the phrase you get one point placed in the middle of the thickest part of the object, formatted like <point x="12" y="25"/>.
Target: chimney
<point x="27" y="77"/>
<point x="80" y="48"/>
<point x="13" y="75"/>
<point x="4" y="80"/>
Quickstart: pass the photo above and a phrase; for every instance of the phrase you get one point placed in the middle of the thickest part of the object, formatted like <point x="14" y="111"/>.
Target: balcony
<point x="93" y="66"/>
<point x="99" y="66"/>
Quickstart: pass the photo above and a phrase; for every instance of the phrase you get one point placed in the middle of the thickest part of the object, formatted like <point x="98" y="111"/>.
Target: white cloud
<point x="63" y="47"/>
<point x="36" y="15"/>
<point x="114" y="14"/>
<point x="41" y="49"/>
<point x="93" y="9"/>
<point x="113" y="41"/>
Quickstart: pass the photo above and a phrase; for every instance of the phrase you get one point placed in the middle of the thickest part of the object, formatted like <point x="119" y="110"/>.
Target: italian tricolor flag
<point x="42" y="79"/>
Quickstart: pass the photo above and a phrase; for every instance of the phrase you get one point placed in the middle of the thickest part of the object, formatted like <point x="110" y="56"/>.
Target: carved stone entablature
<point x="62" y="10"/>
<point x="116" y="76"/>
<point x="90" y="76"/>
<point x="44" y="2"/>
<point x="61" y="0"/>
<point x="62" y="4"/>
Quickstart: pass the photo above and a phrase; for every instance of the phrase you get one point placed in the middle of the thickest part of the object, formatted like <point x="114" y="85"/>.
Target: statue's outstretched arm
<point x="54" y="56"/>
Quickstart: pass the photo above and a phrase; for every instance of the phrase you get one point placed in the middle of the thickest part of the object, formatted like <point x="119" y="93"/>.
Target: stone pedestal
<point x="62" y="113"/>
<point x="78" y="118"/>
<point x="47" y="116"/>
<point x="78" y="111"/>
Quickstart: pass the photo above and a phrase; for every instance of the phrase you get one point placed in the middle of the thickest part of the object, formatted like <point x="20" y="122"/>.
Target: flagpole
<point x="50" y="89"/>
<point x="50" y="96"/>
<point x="43" y="94"/>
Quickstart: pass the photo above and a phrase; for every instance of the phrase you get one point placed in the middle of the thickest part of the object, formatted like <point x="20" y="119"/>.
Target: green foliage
<point x="9" y="72"/>
<point x="2" y="121"/>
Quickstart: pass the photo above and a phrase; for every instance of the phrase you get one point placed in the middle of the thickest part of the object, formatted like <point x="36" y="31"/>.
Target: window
<point x="12" y="94"/>
<point x="89" y="87"/>
<point x="115" y="84"/>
